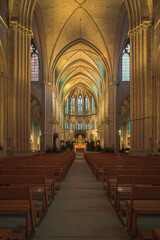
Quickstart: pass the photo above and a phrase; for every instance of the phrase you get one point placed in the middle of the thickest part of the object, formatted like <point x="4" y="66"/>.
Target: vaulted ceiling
<point x="81" y="38"/>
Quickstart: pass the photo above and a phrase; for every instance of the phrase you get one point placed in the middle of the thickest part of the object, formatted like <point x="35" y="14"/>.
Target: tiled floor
<point x="81" y="210"/>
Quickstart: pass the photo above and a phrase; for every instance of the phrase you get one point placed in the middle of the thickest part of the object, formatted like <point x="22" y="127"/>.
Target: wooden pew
<point x="144" y="199"/>
<point x="5" y="233"/>
<point x="49" y="175"/>
<point x="156" y="234"/>
<point x="128" y="180"/>
<point x="37" y="184"/>
<point x="15" y="199"/>
<point x="57" y="173"/>
<point x="100" y="162"/>
<point x="111" y="178"/>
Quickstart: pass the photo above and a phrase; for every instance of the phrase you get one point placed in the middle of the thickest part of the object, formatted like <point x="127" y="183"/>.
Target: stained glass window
<point x="73" y="106"/>
<point x="34" y="63"/>
<point x="93" y="125"/>
<point x="93" y="106"/>
<point x="129" y="126"/>
<point x="126" y="63"/>
<point x="80" y="126"/>
<point x="80" y="106"/>
<point x="73" y="126"/>
<point x="67" y="125"/>
<point x="86" y="106"/>
<point x="87" y="125"/>
<point x="67" y="107"/>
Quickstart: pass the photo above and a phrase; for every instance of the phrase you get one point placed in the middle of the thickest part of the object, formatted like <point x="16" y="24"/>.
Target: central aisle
<point x="80" y="210"/>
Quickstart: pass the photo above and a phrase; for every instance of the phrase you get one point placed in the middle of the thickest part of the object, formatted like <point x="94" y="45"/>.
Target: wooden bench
<point x="37" y="183"/>
<point x="58" y="175"/>
<point x="50" y="182"/>
<point x="127" y="180"/>
<point x="5" y="233"/>
<point x="144" y="199"/>
<point x="156" y="234"/>
<point x="15" y="199"/>
<point x="111" y="178"/>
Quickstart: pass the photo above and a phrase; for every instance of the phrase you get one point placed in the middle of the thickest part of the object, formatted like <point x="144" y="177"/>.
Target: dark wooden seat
<point x="144" y="199"/>
<point x="5" y="233"/>
<point x="19" y="201"/>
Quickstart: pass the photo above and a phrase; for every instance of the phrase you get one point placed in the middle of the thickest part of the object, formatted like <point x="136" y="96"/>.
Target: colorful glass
<point x="93" y="106"/>
<point x="67" y="107"/>
<point x="80" y="106"/>
<point x="67" y="125"/>
<point x="86" y="106"/>
<point x="80" y="126"/>
<point x="126" y="63"/>
<point x="73" y="106"/>
<point x="34" y="64"/>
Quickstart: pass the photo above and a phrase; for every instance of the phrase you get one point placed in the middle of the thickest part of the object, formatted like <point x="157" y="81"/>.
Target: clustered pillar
<point x="19" y="92"/>
<point x="141" y="88"/>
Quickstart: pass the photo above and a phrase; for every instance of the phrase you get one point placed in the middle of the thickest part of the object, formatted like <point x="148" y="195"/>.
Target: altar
<point x="80" y="146"/>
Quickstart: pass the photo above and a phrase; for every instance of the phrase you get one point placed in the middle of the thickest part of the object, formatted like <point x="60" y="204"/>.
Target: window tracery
<point x="80" y="106"/>
<point x="34" y="63"/>
<point x="93" y="125"/>
<point x="86" y="106"/>
<point x="73" y="106"/>
<point x="80" y="126"/>
<point x="93" y="106"/>
<point x="126" y="62"/>
<point x="72" y="125"/>
<point x="67" y="125"/>
<point x="67" y="107"/>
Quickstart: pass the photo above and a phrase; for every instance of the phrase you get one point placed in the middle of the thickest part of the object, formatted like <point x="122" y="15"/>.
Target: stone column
<point x="141" y="88"/>
<point x="47" y="108"/>
<point x="3" y="113"/>
<point x="111" y="116"/>
<point x="156" y="105"/>
<point x="19" y="90"/>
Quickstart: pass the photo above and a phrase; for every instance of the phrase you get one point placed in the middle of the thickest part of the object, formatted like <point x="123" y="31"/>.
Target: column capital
<point x="143" y="26"/>
<point x="14" y="25"/>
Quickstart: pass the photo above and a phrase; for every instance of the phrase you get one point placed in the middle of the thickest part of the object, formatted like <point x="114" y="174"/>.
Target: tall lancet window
<point x="93" y="106"/>
<point x="73" y="106"/>
<point x="86" y="106"/>
<point x="67" y="106"/>
<point x="80" y="106"/>
<point x="126" y="62"/>
<point x="34" y="63"/>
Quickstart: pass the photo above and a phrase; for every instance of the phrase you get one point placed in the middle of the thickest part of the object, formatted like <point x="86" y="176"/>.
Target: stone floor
<point x="81" y="210"/>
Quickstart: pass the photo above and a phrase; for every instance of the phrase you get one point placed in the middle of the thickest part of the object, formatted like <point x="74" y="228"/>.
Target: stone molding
<point x="143" y="26"/>
<point x="14" y="25"/>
